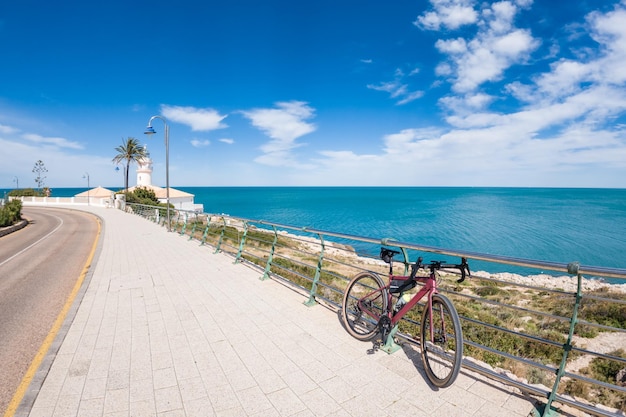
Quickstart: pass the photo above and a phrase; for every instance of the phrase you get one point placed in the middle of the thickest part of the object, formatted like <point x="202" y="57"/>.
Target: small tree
<point x="39" y="169"/>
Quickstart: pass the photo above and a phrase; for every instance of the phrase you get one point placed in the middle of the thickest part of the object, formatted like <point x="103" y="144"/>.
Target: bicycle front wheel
<point x="442" y="354"/>
<point x="364" y="302"/>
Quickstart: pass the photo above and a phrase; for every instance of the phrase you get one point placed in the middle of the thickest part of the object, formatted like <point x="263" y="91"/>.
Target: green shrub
<point x="10" y="213"/>
<point x="142" y="196"/>
<point x="25" y="192"/>
<point x="604" y="370"/>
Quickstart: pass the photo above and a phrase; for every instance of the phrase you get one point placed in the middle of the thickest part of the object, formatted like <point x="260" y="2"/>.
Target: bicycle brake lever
<point x="463" y="267"/>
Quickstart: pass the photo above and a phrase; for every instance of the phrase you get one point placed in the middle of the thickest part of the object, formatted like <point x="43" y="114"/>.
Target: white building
<point x="179" y="199"/>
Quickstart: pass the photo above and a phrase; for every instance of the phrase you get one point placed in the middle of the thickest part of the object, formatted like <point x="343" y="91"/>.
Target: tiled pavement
<point x="166" y="327"/>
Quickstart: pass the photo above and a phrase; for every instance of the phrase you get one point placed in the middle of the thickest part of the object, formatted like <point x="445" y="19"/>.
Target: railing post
<point x="389" y="241"/>
<point x="184" y="227"/>
<point x="206" y="230"/>
<point x="572" y="268"/>
<point x="219" y="242"/>
<point x="268" y="265"/>
<point x="318" y="272"/>
<point x="193" y="229"/>
<point x="390" y="346"/>
<point x="242" y="242"/>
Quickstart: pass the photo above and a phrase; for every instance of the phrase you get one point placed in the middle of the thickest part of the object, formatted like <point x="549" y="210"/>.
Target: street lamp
<point x="86" y="175"/>
<point x="150" y="131"/>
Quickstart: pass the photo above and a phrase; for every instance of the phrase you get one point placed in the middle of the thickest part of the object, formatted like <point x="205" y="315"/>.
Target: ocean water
<point x="557" y="225"/>
<point x="547" y="224"/>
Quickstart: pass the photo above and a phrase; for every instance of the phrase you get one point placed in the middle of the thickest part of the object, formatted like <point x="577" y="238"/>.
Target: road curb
<point x="20" y="225"/>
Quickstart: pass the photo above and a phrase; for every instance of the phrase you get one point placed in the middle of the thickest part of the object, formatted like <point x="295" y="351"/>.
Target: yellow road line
<point x="43" y="350"/>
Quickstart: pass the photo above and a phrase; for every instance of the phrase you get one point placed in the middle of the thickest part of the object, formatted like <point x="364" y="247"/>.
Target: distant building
<point x="179" y="199"/>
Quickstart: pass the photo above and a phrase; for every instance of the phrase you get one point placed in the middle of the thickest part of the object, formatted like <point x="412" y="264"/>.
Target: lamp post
<point x="150" y="131"/>
<point x="86" y="175"/>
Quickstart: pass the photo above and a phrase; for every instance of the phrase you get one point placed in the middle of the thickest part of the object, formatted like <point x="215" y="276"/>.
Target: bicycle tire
<point x="442" y="358"/>
<point x="359" y="323"/>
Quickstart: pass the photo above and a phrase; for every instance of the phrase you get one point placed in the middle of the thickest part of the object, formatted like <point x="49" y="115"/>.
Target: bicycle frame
<point x="428" y="289"/>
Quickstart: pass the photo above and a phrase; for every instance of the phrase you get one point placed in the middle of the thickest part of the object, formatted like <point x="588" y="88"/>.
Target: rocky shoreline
<point x="565" y="282"/>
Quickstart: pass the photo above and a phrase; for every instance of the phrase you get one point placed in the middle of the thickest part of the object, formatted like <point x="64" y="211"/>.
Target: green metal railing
<point x="510" y="326"/>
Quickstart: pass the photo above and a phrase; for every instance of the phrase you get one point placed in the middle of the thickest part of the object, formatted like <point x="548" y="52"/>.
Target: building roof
<point x="98" y="192"/>
<point x="161" y="192"/>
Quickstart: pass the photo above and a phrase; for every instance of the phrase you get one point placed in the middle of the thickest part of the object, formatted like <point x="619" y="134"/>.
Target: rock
<point x="621" y="378"/>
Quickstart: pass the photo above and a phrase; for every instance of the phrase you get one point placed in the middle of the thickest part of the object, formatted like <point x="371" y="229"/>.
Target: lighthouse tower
<point x="144" y="169"/>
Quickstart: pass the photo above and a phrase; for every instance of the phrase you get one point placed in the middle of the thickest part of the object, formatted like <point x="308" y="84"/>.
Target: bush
<point x="10" y="213"/>
<point x="604" y="370"/>
<point x="142" y="196"/>
<point x="25" y="192"/>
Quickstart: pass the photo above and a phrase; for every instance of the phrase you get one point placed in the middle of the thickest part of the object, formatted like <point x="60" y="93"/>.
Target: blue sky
<point x="438" y="93"/>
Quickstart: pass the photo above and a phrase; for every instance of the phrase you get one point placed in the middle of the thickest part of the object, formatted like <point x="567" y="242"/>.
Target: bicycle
<point x="367" y="313"/>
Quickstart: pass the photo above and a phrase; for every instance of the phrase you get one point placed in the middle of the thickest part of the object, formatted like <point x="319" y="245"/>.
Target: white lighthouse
<point x="179" y="199"/>
<point x="144" y="170"/>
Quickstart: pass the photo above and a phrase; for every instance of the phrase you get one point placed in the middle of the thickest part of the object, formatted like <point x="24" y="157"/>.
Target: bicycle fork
<point x="439" y="335"/>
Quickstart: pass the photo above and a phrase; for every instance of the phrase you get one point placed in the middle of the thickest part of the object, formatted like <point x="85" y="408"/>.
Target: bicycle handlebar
<point x="463" y="267"/>
<point x="387" y="255"/>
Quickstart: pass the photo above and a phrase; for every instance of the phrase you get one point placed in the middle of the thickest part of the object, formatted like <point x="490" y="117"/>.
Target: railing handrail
<point x="604" y="272"/>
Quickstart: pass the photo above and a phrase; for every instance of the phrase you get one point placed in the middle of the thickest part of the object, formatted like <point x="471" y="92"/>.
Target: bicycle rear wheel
<point x="364" y="301"/>
<point x="443" y="355"/>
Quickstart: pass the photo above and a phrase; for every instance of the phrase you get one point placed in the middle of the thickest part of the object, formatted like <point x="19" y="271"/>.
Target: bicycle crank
<point x="384" y="324"/>
<point x="388" y="333"/>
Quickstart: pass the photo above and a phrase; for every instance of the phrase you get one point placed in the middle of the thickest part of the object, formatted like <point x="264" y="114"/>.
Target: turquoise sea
<point x="547" y="224"/>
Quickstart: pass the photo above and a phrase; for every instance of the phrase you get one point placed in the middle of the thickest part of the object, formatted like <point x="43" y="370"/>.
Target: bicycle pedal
<point x="374" y="348"/>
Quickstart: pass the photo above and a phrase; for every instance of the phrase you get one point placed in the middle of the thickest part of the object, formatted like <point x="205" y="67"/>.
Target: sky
<point x="516" y="93"/>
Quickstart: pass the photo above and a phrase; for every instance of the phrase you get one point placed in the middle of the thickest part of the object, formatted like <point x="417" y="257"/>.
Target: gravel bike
<point x="367" y="312"/>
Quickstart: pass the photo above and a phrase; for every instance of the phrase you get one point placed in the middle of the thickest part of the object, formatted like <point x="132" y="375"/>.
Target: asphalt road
<point x="39" y="267"/>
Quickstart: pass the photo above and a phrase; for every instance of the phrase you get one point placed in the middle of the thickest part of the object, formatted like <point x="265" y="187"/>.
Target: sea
<point x="547" y="224"/>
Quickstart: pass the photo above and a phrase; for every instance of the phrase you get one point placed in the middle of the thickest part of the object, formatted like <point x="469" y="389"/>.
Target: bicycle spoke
<point x="363" y="303"/>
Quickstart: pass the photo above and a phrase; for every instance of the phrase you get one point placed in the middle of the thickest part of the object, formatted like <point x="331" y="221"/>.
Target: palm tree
<point x="129" y="151"/>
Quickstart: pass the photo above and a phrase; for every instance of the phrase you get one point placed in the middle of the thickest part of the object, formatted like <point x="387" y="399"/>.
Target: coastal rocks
<point x="565" y="283"/>
<point x="621" y="378"/>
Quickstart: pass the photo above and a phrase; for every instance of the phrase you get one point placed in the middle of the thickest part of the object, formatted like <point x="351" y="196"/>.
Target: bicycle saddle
<point x="387" y="254"/>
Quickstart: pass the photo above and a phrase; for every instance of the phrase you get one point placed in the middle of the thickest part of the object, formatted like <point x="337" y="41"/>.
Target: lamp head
<point x="149" y="131"/>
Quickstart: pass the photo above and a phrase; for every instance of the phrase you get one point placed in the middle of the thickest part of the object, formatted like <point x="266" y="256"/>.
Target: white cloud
<point x="197" y="119"/>
<point x="609" y="30"/>
<point x="56" y="142"/>
<point x="496" y="46"/>
<point x="197" y="143"/>
<point x="451" y="14"/>
<point x="284" y="124"/>
<point x="8" y="130"/>
<point x="64" y="169"/>
<point x="227" y="141"/>
<point x="398" y="89"/>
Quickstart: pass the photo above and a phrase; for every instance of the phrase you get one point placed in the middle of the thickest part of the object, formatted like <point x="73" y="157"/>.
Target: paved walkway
<point x="168" y="328"/>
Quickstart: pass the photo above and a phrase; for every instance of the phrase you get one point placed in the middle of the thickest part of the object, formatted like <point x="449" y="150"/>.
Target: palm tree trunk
<point x="127" y="169"/>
